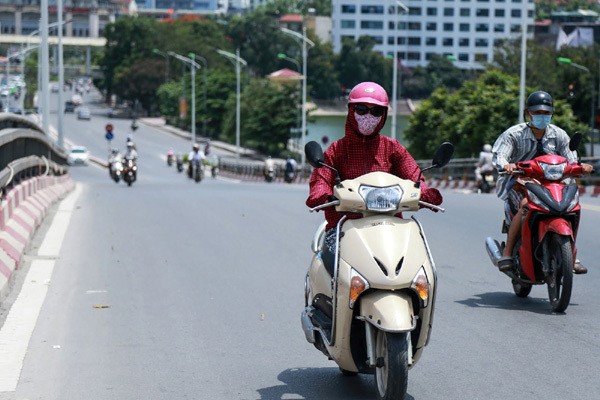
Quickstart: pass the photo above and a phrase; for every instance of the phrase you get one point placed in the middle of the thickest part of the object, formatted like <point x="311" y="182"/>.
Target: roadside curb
<point x="22" y="211"/>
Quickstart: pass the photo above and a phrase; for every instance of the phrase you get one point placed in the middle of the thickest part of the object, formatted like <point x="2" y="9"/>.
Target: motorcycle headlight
<point x="553" y="172"/>
<point x="358" y="284"/>
<point x="536" y="200"/>
<point x="381" y="199"/>
<point x="420" y="284"/>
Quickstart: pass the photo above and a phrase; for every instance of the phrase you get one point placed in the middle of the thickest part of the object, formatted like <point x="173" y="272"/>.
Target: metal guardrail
<point x="458" y="169"/>
<point x="25" y="151"/>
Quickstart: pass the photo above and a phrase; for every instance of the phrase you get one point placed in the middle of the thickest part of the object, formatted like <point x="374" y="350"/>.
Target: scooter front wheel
<point x="391" y="373"/>
<point x="560" y="279"/>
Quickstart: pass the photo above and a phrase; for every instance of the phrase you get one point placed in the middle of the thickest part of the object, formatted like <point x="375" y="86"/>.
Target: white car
<point x="83" y="113"/>
<point x="78" y="155"/>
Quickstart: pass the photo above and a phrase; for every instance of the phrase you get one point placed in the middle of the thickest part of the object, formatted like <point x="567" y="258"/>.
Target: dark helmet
<point x="540" y="100"/>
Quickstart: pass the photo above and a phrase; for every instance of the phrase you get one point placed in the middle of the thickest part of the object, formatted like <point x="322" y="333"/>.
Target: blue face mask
<point x="541" y="121"/>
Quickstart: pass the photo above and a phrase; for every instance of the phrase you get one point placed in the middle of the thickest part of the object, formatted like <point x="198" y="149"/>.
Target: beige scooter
<point x="374" y="313"/>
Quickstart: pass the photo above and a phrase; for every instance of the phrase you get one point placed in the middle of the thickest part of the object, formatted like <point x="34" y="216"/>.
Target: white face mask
<point x="367" y="123"/>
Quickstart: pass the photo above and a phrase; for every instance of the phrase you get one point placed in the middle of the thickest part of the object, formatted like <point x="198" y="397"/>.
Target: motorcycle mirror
<point x="575" y="141"/>
<point x="314" y="154"/>
<point x="443" y="155"/>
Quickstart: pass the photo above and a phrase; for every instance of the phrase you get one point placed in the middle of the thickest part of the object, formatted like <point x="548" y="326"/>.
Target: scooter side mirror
<point x="314" y="154"/>
<point x="575" y="141"/>
<point x="443" y="155"/>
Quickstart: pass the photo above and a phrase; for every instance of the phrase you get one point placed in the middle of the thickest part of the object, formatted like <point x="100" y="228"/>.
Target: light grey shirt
<point x="518" y="143"/>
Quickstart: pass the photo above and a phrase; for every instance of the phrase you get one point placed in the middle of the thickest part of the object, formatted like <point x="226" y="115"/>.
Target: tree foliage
<point x="473" y="115"/>
<point x="269" y="112"/>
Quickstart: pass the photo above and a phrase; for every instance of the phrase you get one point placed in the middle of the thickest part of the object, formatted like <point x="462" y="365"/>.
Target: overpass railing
<point x="25" y="151"/>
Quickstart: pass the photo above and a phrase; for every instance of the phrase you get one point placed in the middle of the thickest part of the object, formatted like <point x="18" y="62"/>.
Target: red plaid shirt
<point x="355" y="155"/>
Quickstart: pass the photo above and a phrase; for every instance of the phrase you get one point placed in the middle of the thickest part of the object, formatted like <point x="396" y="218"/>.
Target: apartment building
<point x="465" y="30"/>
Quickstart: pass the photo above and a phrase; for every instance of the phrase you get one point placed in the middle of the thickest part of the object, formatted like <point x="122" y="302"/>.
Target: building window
<point x="402" y="40"/>
<point x="481" y="42"/>
<point x="414" y="11"/>
<point x="448" y="27"/>
<point x="463" y="57"/>
<point x="480" y="57"/>
<point x="482" y="12"/>
<point x="371" y="25"/>
<point x="514" y="28"/>
<point x="463" y="42"/>
<point x="431" y="26"/>
<point x="348" y="24"/>
<point x="390" y="40"/>
<point x="448" y="42"/>
<point x="463" y="27"/>
<point x="429" y="56"/>
<point x="498" y="13"/>
<point x="391" y="25"/>
<point x="414" y="41"/>
<point x="414" y="56"/>
<point x="401" y="26"/>
<point x="371" y="9"/>
<point x="430" y="41"/>
<point x="349" y="9"/>
<point x="347" y="37"/>
<point x="431" y="11"/>
<point x="448" y="12"/>
<point x="378" y="39"/>
<point x="414" y="26"/>
<point x="482" y="28"/>
<point x="498" y="27"/>
<point x="465" y="12"/>
<point x="515" y="13"/>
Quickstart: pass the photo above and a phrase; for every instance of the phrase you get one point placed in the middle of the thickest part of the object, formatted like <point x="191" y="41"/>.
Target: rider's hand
<point x="587" y="168"/>
<point x="510" y="168"/>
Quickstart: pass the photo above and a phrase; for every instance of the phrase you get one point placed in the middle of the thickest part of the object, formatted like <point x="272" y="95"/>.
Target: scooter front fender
<point x="557" y="225"/>
<point x="388" y="311"/>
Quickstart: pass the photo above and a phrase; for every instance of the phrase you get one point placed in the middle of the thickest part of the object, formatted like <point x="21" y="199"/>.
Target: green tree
<point x="268" y="113"/>
<point x="473" y="115"/>
<point x="140" y="82"/>
<point x="439" y="72"/>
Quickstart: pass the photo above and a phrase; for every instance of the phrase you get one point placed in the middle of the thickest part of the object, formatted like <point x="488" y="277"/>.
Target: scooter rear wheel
<point x="560" y="278"/>
<point x="391" y="377"/>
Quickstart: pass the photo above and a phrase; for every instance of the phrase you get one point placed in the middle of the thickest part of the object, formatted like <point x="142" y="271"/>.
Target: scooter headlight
<point x="553" y="172"/>
<point x="381" y="198"/>
<point x="358" y="284"/>
<point x="420" y="284"/>
<point x="536" y="200"/>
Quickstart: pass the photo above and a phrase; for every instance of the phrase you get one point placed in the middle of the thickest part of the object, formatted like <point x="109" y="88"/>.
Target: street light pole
<point x="283" y="56"/>
<point x="305" y="40"/>
<point x="570" y="62"/>
<point x="61" y="74"/>
<point x="205" y="67"/>
<point x="237" y="61"/>
<point x="193" y="66"/>
<point x="45" y="73"/>
<point x="395" y="91"/>
<point x="166" y="57"/>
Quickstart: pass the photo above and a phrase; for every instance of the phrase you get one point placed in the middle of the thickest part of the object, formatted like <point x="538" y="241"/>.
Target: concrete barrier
<point x="22" y="211"/>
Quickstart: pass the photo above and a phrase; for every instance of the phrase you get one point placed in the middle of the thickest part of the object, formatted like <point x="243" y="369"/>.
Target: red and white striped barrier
<point x="22" y="210"/>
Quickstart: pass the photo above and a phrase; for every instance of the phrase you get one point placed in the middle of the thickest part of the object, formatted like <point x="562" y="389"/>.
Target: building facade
<point x="465" y="30"/>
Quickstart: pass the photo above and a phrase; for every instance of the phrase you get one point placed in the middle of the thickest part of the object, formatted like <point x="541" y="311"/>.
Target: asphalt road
<point x="203" y="285"/>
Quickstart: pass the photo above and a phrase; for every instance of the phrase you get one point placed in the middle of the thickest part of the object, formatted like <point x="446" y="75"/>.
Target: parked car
<point x="69" y="106"/>
<point x="84" y="113"/>
<point x="78" y="155"/>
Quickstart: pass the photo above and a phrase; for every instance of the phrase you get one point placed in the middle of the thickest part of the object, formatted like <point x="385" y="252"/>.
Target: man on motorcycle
<point x="131" y="153"/>
<point x="522" y="142"/>
<point x="114" y="157"/>
<point x="484" y="164"/>
<point x="195" y="156"/>
<point x="360" y="151"/>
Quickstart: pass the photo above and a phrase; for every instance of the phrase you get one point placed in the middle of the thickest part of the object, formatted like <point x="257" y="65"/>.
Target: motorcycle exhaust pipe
<point x="493" y="249"/>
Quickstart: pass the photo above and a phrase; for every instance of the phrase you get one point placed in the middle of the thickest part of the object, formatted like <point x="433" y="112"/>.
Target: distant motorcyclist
<point x="484" y="165"/>
<point x="195" y="156"/>
<point x="114" y="157"/>
<point x="131" y="153"/>
<point x="207" y="148"/>
<point x="290" y="169"/>
<point x="269" y="169"/>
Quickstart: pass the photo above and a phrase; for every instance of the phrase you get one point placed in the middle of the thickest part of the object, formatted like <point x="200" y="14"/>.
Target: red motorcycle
<point x="546" y="251"/>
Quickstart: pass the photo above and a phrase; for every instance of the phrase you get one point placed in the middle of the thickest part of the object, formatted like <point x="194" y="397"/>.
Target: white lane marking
<point x="22" y="317"/>
<point x="50" y="247"/>
<point x="20" y="322"/>
<point x="590" y="207"/>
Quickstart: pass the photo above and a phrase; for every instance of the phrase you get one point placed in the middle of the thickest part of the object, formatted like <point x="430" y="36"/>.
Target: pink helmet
<point x="368" y="92"/>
